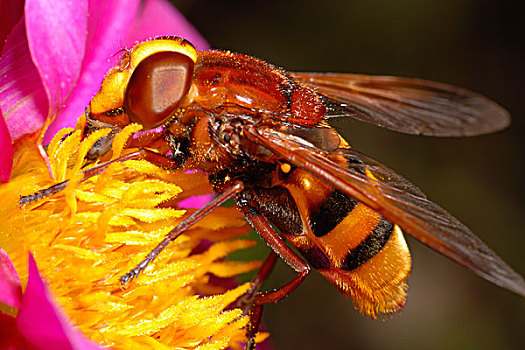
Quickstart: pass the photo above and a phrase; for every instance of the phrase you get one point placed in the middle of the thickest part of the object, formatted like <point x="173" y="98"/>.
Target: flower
<point x="88" y="235"/>
<point x="85" y="237"/>
<point x="39" y="321"/>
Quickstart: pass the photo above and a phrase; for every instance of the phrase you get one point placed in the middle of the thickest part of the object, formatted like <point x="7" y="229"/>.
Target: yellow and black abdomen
<point x="364" y="255"/>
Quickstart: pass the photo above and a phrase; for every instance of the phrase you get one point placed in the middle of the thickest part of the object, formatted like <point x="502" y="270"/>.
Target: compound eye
<point x="157" y="86"/>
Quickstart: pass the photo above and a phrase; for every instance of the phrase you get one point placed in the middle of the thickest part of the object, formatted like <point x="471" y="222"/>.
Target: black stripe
<point x="330" y="213"/>
<point x="278" y="206"/>
<point x="369" y="247"/>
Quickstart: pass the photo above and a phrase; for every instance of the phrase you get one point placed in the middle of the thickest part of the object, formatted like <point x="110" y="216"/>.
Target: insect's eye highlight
<point x="157" y="86"/>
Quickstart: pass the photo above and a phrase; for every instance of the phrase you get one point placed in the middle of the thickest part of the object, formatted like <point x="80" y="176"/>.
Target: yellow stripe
<point x="377" y="287"/>
<point x="354" y="228"/>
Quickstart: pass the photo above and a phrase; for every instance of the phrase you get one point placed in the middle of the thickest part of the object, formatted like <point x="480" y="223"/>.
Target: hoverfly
<point x="262" y="135"/>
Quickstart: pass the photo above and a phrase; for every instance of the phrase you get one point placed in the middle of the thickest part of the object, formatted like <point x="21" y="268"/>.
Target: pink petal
<point x="14" y="341"/>
<point x="10" y="288"/>
<point x="107" y="27"/>
<point x="22" y="96"/>
<point x="159" y="17"/>
<point x="6" y="156"/>
<point x="56" y="33"/>
<point x="10" y="13"/>
<point x="40" y="321"/>
<point x="196" y="202"/>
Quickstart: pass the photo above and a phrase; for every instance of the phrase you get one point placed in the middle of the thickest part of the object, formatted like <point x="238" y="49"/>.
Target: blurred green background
<point x="478" y="44"/>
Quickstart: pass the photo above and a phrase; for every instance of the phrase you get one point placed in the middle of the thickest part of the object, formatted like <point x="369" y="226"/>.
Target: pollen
<point x="91" y="233"/>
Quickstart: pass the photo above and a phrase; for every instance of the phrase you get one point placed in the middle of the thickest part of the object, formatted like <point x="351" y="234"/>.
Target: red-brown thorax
<point x="232" y="91"/>
<point x="222" y="78"/>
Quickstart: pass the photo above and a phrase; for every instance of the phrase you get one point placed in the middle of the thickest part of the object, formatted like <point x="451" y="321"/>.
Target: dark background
<point x="477" y="44"/>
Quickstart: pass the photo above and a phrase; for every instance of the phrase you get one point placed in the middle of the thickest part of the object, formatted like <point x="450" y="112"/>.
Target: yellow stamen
<point x="87" y="236"/>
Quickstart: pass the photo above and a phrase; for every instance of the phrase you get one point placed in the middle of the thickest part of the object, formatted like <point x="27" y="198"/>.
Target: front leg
<point x="142" y="154"/>
<point x="231" y="192"/>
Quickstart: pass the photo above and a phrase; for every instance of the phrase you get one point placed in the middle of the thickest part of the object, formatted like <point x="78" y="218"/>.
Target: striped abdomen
<point x="355" y="248"/>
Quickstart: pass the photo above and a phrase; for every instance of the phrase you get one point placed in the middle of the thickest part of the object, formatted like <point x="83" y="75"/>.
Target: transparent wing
<point x="411" y="106"/>
<point x="398" y="200"/>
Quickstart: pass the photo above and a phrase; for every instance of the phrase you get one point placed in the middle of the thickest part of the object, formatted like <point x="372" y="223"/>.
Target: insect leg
<point x="152" y="157"/>
<point x="246" y="300"/>
<point x="183" y="226"/>
<point x="263" y="228"/>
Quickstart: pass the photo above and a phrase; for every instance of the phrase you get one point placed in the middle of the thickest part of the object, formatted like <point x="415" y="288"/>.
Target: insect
<point x="262" y="135"/>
